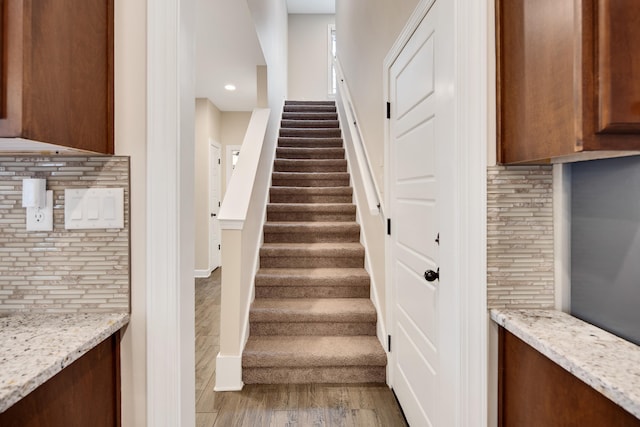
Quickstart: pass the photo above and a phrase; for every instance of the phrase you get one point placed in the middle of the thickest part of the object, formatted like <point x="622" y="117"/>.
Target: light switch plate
<point x="91" y="208"/>
<point x="41" y="219"/>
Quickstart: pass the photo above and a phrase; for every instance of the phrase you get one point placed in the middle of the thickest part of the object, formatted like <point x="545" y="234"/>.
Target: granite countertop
<point x="35" y="347"/>
<point x="604" y="361"/>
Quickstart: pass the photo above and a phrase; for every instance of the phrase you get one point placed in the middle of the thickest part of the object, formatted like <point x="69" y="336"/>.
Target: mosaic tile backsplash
<point x="62" y="271"/>
<point x="520" y="257"/>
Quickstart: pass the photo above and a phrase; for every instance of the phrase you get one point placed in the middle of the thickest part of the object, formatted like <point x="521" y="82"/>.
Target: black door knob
<point x="431" y="275"/>
<point x="212" y="215"/>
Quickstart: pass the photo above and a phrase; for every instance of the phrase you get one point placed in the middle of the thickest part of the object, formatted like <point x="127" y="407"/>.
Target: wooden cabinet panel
<point x="618" y="66"/>
<point x="58" y="72"/>
<point x="567" y="78"/>
<point x="534" y="391"/>
<point x="85" y="393"/>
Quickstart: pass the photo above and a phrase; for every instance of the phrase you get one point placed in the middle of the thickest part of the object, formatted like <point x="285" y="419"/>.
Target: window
<point x="332" y="56"/>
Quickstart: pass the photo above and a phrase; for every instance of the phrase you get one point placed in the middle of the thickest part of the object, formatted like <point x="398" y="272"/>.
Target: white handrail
<point x="345" y="104"/>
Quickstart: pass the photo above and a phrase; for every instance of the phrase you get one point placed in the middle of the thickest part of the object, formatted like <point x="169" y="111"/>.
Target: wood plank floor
<point x="287" y="405"/>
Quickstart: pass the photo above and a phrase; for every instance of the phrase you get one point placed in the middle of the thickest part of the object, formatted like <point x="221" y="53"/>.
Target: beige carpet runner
<point x="312" y="320"/>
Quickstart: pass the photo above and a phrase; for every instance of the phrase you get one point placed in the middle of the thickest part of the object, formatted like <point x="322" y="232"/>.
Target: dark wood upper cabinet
<point x="57" y="72"/>
<point x="568" y="79"/>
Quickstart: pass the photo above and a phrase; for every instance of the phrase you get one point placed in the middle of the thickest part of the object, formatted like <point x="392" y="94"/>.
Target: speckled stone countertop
<point x="35" y="347"/>
<point x="604" y="361"/>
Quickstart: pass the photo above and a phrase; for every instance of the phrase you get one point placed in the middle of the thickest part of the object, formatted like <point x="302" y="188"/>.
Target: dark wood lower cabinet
<point x="535" y="391"/>
<point x="86" y="393"/>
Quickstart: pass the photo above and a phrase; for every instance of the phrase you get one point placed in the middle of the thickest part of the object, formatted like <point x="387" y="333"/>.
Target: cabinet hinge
<point x="389" y="343"/>
<point x="218" y="204"/>
<point x="389" y="226"/>
<point x="388" y="110"/>
<point x="218" y="247"/>
<point x="218" y="161"/>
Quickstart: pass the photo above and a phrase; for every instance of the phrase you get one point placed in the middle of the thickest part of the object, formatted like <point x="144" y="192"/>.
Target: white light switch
<point x="89" y="208"/>
<point x="93" y="209"/>
<point x="109" y="207"/>
<point x="74" y="205"/>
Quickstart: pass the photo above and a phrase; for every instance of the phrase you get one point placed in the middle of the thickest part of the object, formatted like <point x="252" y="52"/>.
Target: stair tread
<point x="314" y="190"/>
<point x="309" y="123"/>
<point x="304" y="115"/>
<point x="315" y="207"/>
<point x="314" y="272"/>
<point x="290" y="226"/>
<point x="312" y="161"/>
<point x="312" y="246"/>
<point x="307" y="351"/>
<point x="312" y="310"/>
<point x="317" y="175"/>
<point x="309" y="102"/>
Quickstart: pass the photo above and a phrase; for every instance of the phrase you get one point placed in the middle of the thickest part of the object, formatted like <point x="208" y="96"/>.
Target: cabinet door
<point x="57" y="72"/>
<point x="536" y="57"/>
<point x="534" y="391"/>
<point x="69" y="70"/>
<point x="11" y="49"/>
<point x="618" y="66"/>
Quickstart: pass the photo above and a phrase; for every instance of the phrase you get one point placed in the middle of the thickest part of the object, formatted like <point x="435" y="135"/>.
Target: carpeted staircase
<point x="312" y="320"/>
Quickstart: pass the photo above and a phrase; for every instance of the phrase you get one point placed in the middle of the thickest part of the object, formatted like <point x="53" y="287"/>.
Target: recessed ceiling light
<point x="230" y="87"/>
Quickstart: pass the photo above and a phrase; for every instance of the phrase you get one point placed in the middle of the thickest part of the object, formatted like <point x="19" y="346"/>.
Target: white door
<point x="214" y="205"/>
<point x="423" y="359"/>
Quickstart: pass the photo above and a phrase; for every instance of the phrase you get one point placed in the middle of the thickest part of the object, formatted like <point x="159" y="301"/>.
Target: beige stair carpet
<point x="312" y="320"/>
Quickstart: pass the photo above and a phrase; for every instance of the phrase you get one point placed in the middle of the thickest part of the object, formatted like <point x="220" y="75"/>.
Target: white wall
<point x="365" y="31"/>
<point x="208" y="128"/>
<point x="234" y="127"/>
<point x="309" y="56"/>
<point x="130" y="140"/>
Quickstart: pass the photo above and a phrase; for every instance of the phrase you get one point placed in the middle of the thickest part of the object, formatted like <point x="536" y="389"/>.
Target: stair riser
<point x="315" y="102"/>
<point x="311" y="262"/>
<point x="310" y="216"/>
<point x="312" y="328"/>
<point x="310" y="142"/>
<point x="278" y="182"/>
<point x="321" y="237"/>
<point x="308" y="198"/>
<point x="310" y="116"/>
<point x="309" y="109"/>
<point x="316" y="124"/>
<point x="312" y="291"/>
<point x="310" y="166"/>
<point x="311" y="133"/>
<point x="318" y="153"/>
<point x="318" y="375"/>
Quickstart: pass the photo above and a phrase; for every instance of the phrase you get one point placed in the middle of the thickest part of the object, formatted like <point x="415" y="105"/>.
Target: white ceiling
<point x="311" y="6"/>
<point x="228" y="49"/>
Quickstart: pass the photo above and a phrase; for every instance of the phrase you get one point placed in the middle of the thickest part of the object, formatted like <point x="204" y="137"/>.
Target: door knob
<point x="431" y="275"/>
<point x="213" y="214"/>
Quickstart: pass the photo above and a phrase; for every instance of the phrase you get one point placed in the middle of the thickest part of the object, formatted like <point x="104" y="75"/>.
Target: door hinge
<point x="388" y="226"/>
<point x="388" y="110"/>
<point x="218" y="247"/>
<point x="389" y="343"/>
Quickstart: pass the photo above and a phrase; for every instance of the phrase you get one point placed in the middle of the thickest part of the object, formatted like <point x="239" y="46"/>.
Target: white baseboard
<point x="228" y="373"/>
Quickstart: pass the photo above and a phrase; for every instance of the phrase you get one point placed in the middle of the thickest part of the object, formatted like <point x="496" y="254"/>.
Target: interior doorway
<point x="215" y="184"/>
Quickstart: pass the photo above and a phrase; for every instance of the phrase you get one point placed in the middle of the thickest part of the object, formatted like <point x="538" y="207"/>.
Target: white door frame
<point x="473" y="116"/>
<point x="170" y="246"/>
<point x="212" y="207"/>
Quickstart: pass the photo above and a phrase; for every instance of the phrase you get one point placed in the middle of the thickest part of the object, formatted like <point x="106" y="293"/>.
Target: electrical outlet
<point x="41" y="219"/>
